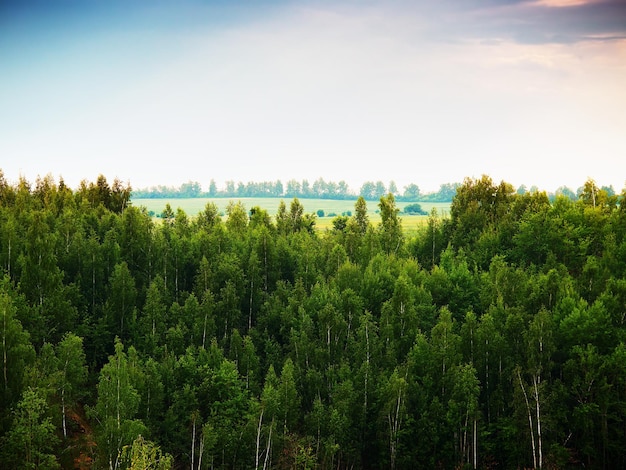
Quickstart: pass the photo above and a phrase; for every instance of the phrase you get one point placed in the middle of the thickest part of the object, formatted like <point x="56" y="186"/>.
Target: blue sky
<point x="156" y="92"/>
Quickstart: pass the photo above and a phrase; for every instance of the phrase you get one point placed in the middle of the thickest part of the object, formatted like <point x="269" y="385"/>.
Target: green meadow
<point x="331" y="208"/>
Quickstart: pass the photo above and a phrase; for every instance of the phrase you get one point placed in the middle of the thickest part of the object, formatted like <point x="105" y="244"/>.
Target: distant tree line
<point x="319" y="189"/>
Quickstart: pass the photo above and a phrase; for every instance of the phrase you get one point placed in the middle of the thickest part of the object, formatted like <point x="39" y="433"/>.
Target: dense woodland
<point x="494" y="338"/>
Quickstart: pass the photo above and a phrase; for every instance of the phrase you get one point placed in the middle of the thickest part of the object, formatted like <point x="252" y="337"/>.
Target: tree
<point x="152" y="324"/>
<point x="116" y="408"/>
<point x="393" y="189"/>
<point x="394" y="409"/>
<point x="539" y="338"/>
<point x="566" y="192"/>
<point x="282" y="220"/>
<point x="293" y="189"/>
<point x="260" y="218"/>
<point x="31" y="441"/>
<point x="473" y="207"/>
<point x="17" y="351"/>
<point x="120" y="306"/>
<point x="269" y="408"/>
<point x="428" y="247"/>
<point x="289" y="397"/>
<point x="411" y="192"/>
<point x="42" y="280"/>
<point x="296" y="216"/>
<point x="72" y="371"/>
<point x="445" y="350"/>
<point x="380" y="190"/>
<point x="145" y="455"/>
<point x="591" y="195"/>
<point x="463" y="414"/>
<point x="209" y="217"/>
<point x="390" y="226"/>
<point x="360" y="215"/>
<point x="135" y="238"/>
<point x="368" y="191"/>
<point x="120" y="196"/>
<point x="9" y="240"/>
<point x="212" y="188"/>
<point x="237" y="220"/>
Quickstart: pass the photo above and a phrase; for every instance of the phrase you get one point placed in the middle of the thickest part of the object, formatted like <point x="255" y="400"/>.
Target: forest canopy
<point x="492" y="338"/>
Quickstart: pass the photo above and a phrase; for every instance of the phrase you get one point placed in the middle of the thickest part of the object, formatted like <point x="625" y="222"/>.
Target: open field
<point x="193" y="206"/>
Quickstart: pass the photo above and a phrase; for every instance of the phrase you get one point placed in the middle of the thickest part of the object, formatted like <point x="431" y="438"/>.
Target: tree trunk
<point x="200" y="452"/>
<point x="93" y="283"/>
<point x="269" y="447"/>
<point x="540" y="461"/>
<point x="367" y="368"/>
<point x="394" y="429"/>
<point x="250" y="313"/>
<point x="4" y="348"/>
<point x="193" y="440"/>
<point x="265" y="262"/>
<point x="530" y="419"/>
<point x="258" y="441"/>
<point x="204" y="329"/>
<point x="475" y="446"/>
<point x="9" y="260"/>
<point x="63" y="412"/>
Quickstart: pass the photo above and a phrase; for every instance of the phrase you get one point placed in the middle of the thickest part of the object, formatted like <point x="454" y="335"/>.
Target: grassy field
<point x="331" y="208"/>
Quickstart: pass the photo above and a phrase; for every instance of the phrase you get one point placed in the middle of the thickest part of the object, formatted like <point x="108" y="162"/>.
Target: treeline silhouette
<point x="319" y="189"/>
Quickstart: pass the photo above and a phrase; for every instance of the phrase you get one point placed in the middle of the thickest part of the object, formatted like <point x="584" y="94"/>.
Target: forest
<point x="493" y="338"/>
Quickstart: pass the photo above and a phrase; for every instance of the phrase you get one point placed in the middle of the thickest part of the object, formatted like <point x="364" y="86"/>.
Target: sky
<point x="161" y="93"/>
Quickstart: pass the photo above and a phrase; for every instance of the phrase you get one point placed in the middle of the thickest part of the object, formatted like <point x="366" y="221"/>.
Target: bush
<point x="414" y="209"/>
<point x="320" y="212"/>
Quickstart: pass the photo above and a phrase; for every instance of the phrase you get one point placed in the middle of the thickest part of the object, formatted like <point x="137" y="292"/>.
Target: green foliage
<point x="17" y="351"/>
<point x="31" y="442"/>
<point x="493" y="338"/>
<point x="116" y="407"/>
<point x="390" y="227"/>
<point x="145" y="455"/>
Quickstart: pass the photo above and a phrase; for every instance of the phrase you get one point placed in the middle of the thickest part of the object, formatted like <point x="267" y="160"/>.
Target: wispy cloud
<point x="548" y="21"/>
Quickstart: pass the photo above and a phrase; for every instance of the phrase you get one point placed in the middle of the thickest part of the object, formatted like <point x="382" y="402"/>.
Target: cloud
<point x="549" y="21"/>
<point x="424" y="92"/>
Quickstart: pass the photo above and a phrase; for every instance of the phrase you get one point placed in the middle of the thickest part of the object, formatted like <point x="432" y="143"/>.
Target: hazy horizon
<point x="529" y="92"/>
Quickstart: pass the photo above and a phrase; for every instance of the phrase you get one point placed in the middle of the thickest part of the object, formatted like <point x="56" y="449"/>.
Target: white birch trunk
<point x="250" y="313"/>
<point x="540" y="456"/>
<point x="4" y="348"/>
<point x="63" y="412"/>
<point x="258" y="441"/>
<point x="475" y="446"/>
<point x="200" y="452"/>
<point x="193" y="441"/>
<point x="269" y="447"/>
<point x="530" y="420"/>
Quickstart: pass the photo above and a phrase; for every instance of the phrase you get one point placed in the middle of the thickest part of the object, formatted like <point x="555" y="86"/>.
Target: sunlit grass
<point x="331" y="208"/>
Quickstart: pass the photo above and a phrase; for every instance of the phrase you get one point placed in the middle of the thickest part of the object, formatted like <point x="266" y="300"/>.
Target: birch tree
<point x="72" y="373"/>
<point x="116" y="408"/>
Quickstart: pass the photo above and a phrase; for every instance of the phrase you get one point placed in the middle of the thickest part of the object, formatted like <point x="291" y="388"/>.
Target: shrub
<point x="414" y="209"/>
